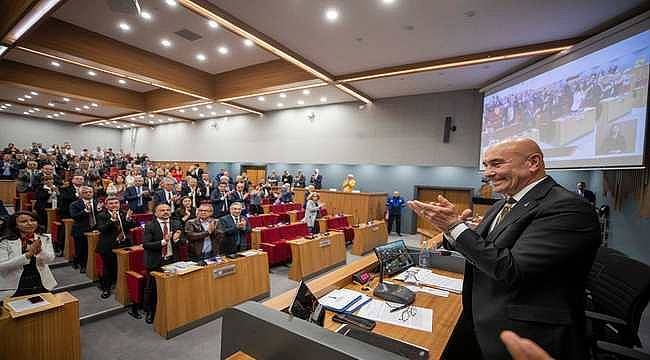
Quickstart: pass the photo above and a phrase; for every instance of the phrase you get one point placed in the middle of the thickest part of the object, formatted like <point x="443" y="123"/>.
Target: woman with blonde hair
<point x="311" y="212"/>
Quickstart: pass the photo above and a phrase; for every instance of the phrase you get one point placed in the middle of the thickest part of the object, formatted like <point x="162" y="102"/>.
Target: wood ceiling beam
<point x="161" y="99"/>
<point x="11" y="12"/>
<point x="546" y="48"/>
<point x="46" y="108"/>
<point x="70" y="86"/>
<point x="86" y="48"/>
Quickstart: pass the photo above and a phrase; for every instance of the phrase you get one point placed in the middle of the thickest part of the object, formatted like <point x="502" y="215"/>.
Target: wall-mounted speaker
<point x="447" y="130"/>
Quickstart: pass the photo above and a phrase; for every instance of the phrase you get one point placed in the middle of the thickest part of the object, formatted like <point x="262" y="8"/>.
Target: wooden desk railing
<point x="69" y="250"/>
<point x="52" y="216"/>
<point x="7" y="191"/>
<point x="121" y="289"/>
<point x="92" y="238"/>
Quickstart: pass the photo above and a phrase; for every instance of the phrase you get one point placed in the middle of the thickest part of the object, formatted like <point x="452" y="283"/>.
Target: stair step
<point x="114" y="310"/>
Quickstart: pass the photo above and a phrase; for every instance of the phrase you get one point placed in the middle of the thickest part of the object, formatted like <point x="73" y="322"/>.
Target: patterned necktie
<point x="510" y="202"/>
<point x="165" y="233"/>
<point x="92" y="220"/>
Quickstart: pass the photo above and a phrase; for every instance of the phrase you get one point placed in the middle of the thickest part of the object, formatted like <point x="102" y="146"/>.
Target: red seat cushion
<point x="270" y="235"/>
<point x="301" y="229"/>
<point x="136" y="275"/>
<point x="287" y="232"/>
<point x="322" y="212"/>
<point x="276" y="208"/>
<point x="137" y="235"/>
<point x="256" y="221"/>
<point x="99" y="265"/>
<point x="284" y="218"/>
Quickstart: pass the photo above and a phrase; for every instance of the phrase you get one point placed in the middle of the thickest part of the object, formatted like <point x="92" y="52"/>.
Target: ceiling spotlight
<point x="66" y="99"/>
<point x="141" y="117"/>
<point x="261" y="98"/>
<point x="388" y="2"/>
<point x="280" y="104"/>
<point x="86" y="107"/>
<point x="50" y="104"/>
<point x="200" y="57"/>
<point x="228" y="111"/>
<point x="201" y="115"/>
<point x="171" y="3"/>
<point x="30" y="110"/>
<point x="248" y="42"/>
<point x="169" y="119"/>
<point x="21" y="99"/>
<point x="94" y="105"/>
<point x="165" y="43"/>
<point x="25" y="112"/>
<point x="27" y="96"/>
<point x="56" y="115"/>
<point x="37" y="109"/>
<point x="306" y="92"/>
<point x="181" y="111"/>
<point x="283" y="95"/>
<point x="208" y="106"/>
<point x="323" y="99"/>
<point x="77" y="109"/>
<point x="195" y="109"/>
<point x="151" y="121"/>
<point x="8" y="105"/>
<point x="213" y="113"/>
<point x="301" y="102"/>
<point x="331" y="14"/>
<point x="61" y="113"/>
<point x="223" y="50"/>
<point x="91" y="73"/>
<point x="121" y="81"/>
<point x="114" y="122"/>
<point x="150" y="115"/>
<point x="55" y="64"/>
<point x="213" y="24"/>
<point x="33" y="93"/>
<point x="160" y="120"/>
<point x="49" y="116"/>
<point x="124" y="26"/>
<point x="145" y="15"/>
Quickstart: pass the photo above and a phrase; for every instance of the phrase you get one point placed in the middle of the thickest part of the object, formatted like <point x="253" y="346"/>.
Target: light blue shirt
<point x="207" y="242"/>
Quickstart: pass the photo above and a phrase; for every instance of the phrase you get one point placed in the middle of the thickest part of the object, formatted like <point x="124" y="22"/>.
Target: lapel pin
<point x="526" y="204"/>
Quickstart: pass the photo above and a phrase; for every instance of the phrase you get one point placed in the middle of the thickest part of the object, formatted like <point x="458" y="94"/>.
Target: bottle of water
<point x="424" y="259"/>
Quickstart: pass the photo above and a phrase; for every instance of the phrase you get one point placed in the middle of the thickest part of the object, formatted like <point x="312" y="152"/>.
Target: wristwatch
<point x="453" y="225"/>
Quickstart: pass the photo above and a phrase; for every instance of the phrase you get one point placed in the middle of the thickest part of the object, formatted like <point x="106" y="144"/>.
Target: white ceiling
<point x="13" y="93"/>
<point x="468" y="77"/>
<point x="203" y="112"/>
<point x="95" y="15"/>
<point x="41" y="112"/>
<point x="370" y="34"/>
<point x="330" y="94"/>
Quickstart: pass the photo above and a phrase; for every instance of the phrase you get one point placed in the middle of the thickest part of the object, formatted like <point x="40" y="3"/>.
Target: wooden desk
<point x="8" y="192"/>
<point x="48" y="335"/>
<point x="68" y="247"/>
<point x="322" y="222"/>
<point x="367" y="237"/>
<point x="362" y="206"/>
<point x="93" y="239"/>
<point x="313" y="256"/>
<point x="293" y="216"/>
<point x="121" y="289"/>
<point x="188" y="300"/>
<point x="52" y="216"/>
<point x="446" y="311"/>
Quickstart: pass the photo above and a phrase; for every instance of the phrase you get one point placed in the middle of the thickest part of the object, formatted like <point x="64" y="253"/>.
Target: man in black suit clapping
<point x="162" y="237"/>
<point x="234" y="227"/>
<point x="84" y="212"/>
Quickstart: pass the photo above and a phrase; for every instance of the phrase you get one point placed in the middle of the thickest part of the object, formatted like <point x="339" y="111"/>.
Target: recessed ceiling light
<point x="86" y="107"/>
<point x="223" y="50"/>
<point x="150" y="115"/>
<point x="261" y="98"/>
<point x="37" y="109"/>
<point x="160" y="120"/>
<point x="66" y="99"/>
<point x="280" y="104"/>
<point x="49" y="116"/>
<point x="50" y="104"/>
<point x="30" y="110"/>
<point x="181" y="110"/>
<point x="248" y="42"/>
<point x="33" y="93"/>
<point x="25" y="112"/>
<point x="306" y="92"/>
<point x="91" y="73"/>
<point x="213" y="113"/>
<point x="195" y="109"/>
<point x="77" y="109"/>
<point x="27" y="96"/>
<point x="124" y="26"/>
<point x="121" y="81"/>
<point x="8" y="105"/>
<point x="301" y="102"/>
<point x="169" y="119"/>
<point x="114" y="122"/>
<point x="132" y="118"/>
<point x="331" y="14"/>
<point x="145" y="15"/>
<point x="165" y="43"/>
<point x="56" y="115"/>
<point x="21" y="99"/>
<point x="171" y="3"/>
<point x="151" y="121"/>
<point x="94" y="105"/>
<point x="388" y="2"/>
<point x="208" y="106"/>
<point x="61" y="113"/>
<point x="323" y="99"/>
<point x="228" y="111"/>
<point x="132" y="125"/>
<point x="200" y="57"/>
<point x="213" y="24"/>
<point x="141" y="117"/>
<point x="201" y="115"/>
<point x="54" y="63"/>
<point x="283" y="95"/>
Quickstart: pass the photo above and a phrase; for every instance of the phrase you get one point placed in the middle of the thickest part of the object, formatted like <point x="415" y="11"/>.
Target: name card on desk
<point x="224" y="271"/>
<point x="324" y="242"/>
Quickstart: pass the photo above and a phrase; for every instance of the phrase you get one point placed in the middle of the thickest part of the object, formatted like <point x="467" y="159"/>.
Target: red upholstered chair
<point x="256" y="221"/>
<point x="322" y="212"/>
<point x="284" y="218"/>
<point x="340" y="223"/>
<point x="183" y="252"/>
<point x="301" y="229"/>
<point x="273" y="219"/>
<point x="276" y="209"/>
<point x="287" y="232"/>
<point x="58" y="234"/>
<point x="296" y="206"/>
<point x="99" y="265"/>
<point x="137" y="235"/>
<point x="300" y="215"/>
<point x="277" y="248"/>
<point x="135" y="277"/>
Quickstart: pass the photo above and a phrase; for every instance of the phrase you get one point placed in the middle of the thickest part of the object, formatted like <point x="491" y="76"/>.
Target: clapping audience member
<point x="84" y="212"/>
<point x="219" y="200"/>
<point x="47" y="196"/>
<point x="234" y="227"/>
<point x="203" y="234"/>
<point x="185" y="211"/>
<point x="286" y="196"/>
<point x="137" y="196"/>
<point x="316" y="179"/>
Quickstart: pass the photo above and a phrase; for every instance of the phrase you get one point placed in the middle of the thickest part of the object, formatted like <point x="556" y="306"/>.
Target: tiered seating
<point x="340" y="223"/>
<point x="263" y="220"/>
<point x="282" y="209"/>
<point x="274" y="241"/>
<point x="270" y="219"/>
<point x="135" y="277"/>
<point x="27" y="200"/>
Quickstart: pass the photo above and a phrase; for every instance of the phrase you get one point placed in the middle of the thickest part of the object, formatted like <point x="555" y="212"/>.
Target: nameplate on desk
<point x="224" y="271"/>
<point x="324" y="242"/>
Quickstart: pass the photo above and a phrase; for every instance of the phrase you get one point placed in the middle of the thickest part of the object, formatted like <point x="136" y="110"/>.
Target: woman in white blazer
<point x="24" y="257"/>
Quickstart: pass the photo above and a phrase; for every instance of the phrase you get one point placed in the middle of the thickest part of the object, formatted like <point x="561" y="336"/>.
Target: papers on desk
<point x="23" y="305"/>
<point x="249" y="253"/>
<point x="344" y="300"/>
<point x="181" y="267"/>
<point x="379" y="310"/>
<point x="428" y="290"/>
<point x="416" y="275"/>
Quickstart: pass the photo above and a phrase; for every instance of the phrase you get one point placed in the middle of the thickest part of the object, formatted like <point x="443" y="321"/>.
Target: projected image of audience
<point x="592" y="106"/>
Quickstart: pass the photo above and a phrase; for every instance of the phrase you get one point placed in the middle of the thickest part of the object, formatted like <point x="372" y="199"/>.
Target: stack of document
<point x="422" y="276"/>
<point x="344" y="300"/>
<point x="418" y="318"/>
<point x="181" y="267"/>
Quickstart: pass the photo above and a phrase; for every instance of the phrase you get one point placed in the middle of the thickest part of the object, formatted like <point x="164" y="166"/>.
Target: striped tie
<point x="510" y="202"/>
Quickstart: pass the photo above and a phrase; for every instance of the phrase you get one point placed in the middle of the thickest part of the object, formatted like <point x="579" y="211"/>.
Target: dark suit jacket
<point x="67" y="196"/>
<point x="160" y="198"/>
<point x="131" y="196"/>
<point x="153" y="235"/>
<point x="13" y="170"/>
<point x="233" y="237"/>
<point x="155" y="184"/>
<point x="528" y="274"/>
<point x="109" y="230"/>
<point x="195" y="235"/>
<point x="42" y="199"/>
<point x="81" y="217"/>
<point x="317" y="181"/>
<point x="589" y="196"/>
<point x="220" y="203"/>
<point x="199" y="194"/>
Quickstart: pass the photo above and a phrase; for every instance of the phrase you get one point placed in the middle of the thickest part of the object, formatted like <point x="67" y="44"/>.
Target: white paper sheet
<point x="428" y="290"/>
<point x="426" y="277"/>
<point x="25" y="305"/>
<point x="379" y="310"/>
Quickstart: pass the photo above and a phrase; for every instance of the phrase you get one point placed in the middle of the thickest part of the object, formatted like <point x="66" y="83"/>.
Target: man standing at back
<point x="527" y="260"/>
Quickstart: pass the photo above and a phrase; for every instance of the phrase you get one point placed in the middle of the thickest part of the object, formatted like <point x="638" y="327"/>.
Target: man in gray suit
<point x="527" y="260"/>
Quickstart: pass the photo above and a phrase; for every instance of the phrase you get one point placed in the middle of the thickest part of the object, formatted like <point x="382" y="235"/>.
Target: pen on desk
<point x="399" y="308"/>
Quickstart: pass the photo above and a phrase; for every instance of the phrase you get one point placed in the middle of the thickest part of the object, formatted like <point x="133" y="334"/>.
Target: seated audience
<point x="27" y="178"/>
<point x="117" y="187"/>
<point x="8" y="169"/>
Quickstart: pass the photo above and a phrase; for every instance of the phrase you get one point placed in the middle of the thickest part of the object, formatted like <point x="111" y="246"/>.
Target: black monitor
<point x="394" y="257"/>
<point x="306" y="306"/>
